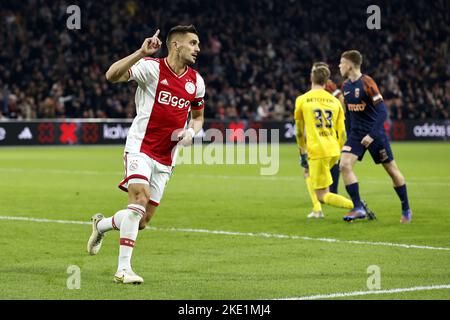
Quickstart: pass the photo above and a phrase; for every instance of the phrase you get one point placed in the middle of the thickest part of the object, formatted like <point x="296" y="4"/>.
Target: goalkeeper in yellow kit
<point x="320" y="133"/>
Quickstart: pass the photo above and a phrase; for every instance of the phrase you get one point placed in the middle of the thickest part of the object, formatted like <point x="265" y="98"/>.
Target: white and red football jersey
<point x="163" y="101"/>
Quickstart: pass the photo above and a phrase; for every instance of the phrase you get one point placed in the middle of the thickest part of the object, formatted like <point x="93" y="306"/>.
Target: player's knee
<point x="345" y="166"/>
<point x="141" y="199"/>
<point x="320" y="195"/>
<point x="138" y="195"/>
<point x="395" y="173"/>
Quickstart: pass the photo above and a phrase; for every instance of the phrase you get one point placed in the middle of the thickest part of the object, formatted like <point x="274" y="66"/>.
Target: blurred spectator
<point x="255" y="59"/>
<point x="263" y="111"/>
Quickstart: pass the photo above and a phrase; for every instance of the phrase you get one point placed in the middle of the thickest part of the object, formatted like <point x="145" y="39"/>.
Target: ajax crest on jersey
<point x="133" y="166"/>
<point x="190" y="87"/>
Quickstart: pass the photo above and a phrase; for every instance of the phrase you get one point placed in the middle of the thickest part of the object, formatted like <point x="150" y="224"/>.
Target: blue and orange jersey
<point x="362" y="98"/>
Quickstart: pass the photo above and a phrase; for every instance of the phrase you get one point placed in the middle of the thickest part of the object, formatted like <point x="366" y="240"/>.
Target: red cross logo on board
<point x="68" y="135"/>
<point x="90" y="132"/>
<point x="399" y="131"/>
<point x="46" y="133"/>
<point x="237" y="132"/>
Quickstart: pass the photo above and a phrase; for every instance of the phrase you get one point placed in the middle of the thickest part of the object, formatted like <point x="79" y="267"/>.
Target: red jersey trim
<point x="153" y="203"/>
<point x="114" y="224"/>
<point x="133" y="176"/>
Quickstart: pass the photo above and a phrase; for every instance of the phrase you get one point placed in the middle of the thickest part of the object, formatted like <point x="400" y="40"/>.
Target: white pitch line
<point x="299" y="178"/>
<point x="62" y="171"/>
<point x="245" y="234"/>
<point x="364" y="293"/>
<point x="43" y="220"/>
<point x="284" y="236"/>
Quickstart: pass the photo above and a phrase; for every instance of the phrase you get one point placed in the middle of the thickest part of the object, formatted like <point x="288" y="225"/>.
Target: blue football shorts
<point x="379" y="149"/>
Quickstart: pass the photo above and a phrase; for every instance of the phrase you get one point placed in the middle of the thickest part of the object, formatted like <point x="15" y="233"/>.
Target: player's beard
<point x="184" y="58"/>
<point x="189" y="60"/>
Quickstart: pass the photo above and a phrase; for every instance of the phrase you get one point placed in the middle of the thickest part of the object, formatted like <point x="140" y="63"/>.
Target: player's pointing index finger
<point x="156" y="34"/>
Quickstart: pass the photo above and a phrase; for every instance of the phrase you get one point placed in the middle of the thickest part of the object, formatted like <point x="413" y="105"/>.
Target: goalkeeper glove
<point x="304" y="161"/>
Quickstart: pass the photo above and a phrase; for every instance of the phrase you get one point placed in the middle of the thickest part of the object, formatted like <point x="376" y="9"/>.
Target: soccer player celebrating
<point x="168" y="89"/>
<point x="317" y="212"/>
<point x="320" y="143"/>
<point x="367" y="115"/>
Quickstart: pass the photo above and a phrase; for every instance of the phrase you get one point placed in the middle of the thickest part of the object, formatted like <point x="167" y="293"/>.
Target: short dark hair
<point x="353" y="56"/>
<point x="179" y="30"/>
<point x="320" y="75"/>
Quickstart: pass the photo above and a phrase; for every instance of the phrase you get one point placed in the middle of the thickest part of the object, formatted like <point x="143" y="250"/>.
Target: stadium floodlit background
<point x="222" y="231"/>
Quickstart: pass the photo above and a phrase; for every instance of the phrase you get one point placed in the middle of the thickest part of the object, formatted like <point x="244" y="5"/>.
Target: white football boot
<point x="127" y="276"/>
<point x="316" y="215"/>
<point x="95" y="241"/>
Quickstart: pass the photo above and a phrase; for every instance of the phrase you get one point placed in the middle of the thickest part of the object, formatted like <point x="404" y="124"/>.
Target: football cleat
<point x="127" y="277"/>
<point x="316" y="215"/>
<point x="95" y="240"/>
<point x="354" y="215"/>
<point x="370" y="213"/>
<point x="406" y="217"/>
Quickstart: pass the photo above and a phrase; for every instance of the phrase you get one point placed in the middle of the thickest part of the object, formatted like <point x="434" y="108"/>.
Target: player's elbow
<point x="110" y="76"/>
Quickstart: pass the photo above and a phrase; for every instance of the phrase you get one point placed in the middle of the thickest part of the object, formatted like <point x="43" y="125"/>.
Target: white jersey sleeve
<point x="199" y="102"/>
<point x="145" y="71"/>
<point x="200" y="87"/>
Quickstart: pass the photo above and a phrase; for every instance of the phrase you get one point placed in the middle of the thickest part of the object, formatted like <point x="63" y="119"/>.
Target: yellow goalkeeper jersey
<point x="320" y="124"/>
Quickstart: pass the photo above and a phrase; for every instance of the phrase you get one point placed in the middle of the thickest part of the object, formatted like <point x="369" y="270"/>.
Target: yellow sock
<point x="312" y="194"/>
<point x="336" y="200"/>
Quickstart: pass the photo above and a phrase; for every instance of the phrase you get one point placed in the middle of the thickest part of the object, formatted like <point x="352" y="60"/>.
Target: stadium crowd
<point x="255" y="59"/>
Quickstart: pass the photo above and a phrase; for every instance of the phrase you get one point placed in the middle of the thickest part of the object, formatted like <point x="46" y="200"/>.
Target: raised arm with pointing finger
<point x="118" y="71"/>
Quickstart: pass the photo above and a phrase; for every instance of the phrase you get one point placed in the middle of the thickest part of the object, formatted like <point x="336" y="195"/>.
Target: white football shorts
<point x="140" y="168"/>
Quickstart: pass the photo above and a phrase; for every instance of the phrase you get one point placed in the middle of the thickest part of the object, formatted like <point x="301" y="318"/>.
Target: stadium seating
<point x="254" y="65"/>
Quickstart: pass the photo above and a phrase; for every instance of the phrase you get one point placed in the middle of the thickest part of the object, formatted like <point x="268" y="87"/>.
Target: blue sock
<point x="335" y="174"/>
<point x="403" y="195"/>
<point x="353" y="192"/>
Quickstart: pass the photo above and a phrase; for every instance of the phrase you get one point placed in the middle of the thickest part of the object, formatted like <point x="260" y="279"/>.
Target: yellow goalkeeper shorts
<point x="319" y="171"/>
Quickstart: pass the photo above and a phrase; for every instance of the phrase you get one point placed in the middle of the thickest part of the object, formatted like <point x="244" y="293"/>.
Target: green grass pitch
<point x="73" y="183"/>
